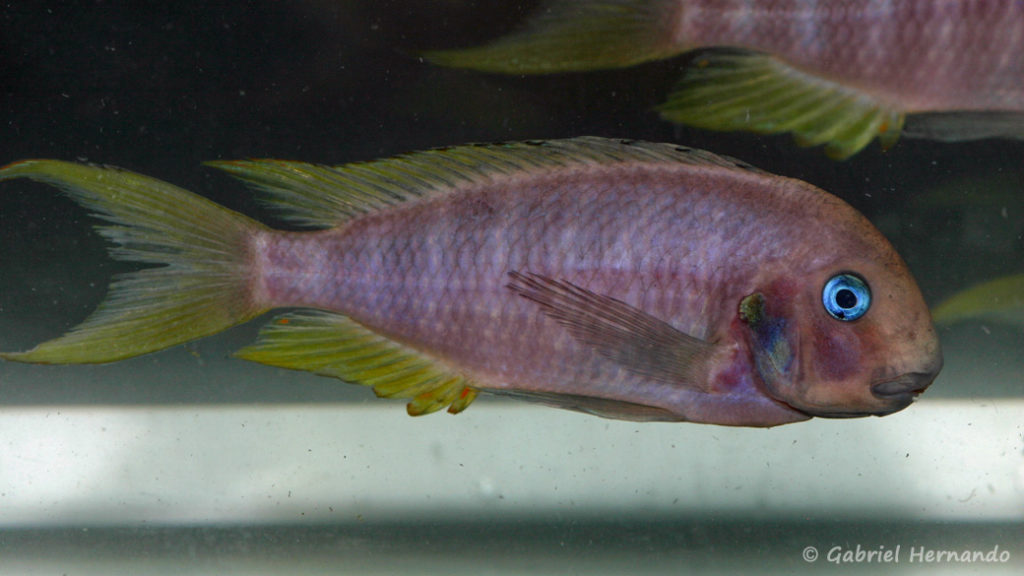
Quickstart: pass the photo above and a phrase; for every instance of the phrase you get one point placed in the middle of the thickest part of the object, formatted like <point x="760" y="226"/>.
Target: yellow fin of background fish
<point x="333" y="345"/>
<point x="324" y="196"/>
<point x="575" y="36"/>
<point x="1001" y="300"/>
<point x="198" y="291"/>
<point x="758" y="93"/>
<point x="723" y="89"/>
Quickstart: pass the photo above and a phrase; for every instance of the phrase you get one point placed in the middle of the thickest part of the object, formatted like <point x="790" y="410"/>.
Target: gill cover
<point x="774" y="354"/>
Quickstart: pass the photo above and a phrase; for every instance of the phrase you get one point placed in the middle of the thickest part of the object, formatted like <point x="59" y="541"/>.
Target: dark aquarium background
<point x="160" y="87"/>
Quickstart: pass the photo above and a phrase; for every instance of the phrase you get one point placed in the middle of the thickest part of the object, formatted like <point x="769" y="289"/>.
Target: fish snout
<point x="901" y="390"/>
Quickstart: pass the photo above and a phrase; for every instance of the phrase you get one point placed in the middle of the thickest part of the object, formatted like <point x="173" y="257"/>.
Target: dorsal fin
<point x="324" y="196"/>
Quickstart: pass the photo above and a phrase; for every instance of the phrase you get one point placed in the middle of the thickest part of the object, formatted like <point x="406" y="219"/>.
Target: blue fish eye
<point x="846" y="297"/>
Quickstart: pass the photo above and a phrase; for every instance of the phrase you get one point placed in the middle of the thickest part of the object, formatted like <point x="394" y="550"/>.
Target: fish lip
<point x="898" y="393"/>
<point x="901" y="391"/>
<point x="906" y="385"/>
<point x="911" y="382"/>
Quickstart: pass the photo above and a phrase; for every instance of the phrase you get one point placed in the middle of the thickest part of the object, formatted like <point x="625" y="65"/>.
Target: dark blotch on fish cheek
<point x="837" y="354"/>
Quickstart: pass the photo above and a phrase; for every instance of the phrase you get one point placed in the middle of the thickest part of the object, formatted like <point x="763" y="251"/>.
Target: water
<point x="190" y="462"/>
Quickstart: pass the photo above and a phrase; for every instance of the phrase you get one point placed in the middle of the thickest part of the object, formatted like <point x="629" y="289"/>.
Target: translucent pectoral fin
<point x="334" y="345"/>
<point x="624" y="334"/>
<point x="755" y="92"/>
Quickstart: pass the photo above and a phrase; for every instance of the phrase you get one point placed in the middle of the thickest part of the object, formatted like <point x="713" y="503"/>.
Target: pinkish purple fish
<point x="832" y="72"/>
<point x="626" y="279"/>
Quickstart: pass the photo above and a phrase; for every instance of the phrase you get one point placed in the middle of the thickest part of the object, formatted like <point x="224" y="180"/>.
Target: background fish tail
<point x="198" y="282"/>
<point x="575" y="35"/>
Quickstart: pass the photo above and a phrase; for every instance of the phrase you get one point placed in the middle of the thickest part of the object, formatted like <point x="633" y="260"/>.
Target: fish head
<point x="845" y="339"/>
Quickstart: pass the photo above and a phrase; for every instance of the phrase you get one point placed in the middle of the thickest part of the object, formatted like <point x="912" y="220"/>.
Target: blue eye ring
<point x="846" y="297"/>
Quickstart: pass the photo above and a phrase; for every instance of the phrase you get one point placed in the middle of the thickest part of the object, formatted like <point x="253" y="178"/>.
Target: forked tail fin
<point x="197" y="287"/>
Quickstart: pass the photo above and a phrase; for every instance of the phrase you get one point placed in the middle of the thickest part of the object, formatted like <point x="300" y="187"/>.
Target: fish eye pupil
<point x="846" y="297"/>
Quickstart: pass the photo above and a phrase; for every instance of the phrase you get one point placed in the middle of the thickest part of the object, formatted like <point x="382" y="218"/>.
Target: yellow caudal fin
<point x="576" y="35"/>
<point x="333" y="345"/>
<point x="196" y="287"/>
<point x="756" y="92"/>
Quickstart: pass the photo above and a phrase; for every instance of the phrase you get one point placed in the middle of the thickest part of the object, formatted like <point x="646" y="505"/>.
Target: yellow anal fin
<point x="334" y="345"/>
<point x="758" y="93"/>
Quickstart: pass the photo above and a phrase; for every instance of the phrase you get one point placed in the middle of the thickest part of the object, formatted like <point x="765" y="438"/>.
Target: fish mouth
<point x="902" y="390"/>
<point x="911" y="383"/>
<point x="897" y="393"/>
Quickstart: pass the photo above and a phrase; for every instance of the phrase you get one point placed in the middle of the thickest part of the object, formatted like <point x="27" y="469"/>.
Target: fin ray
<point x="624" y="334"/>
<point x="324" y="196"/>
<point x="198" y="288"/>
<point x="738" y="90"/>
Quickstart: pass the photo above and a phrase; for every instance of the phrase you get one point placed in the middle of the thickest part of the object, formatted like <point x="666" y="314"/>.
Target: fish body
<point x="833" y="72"/>
<point x="630" y="280"/>
<point x="911" y="55"/>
